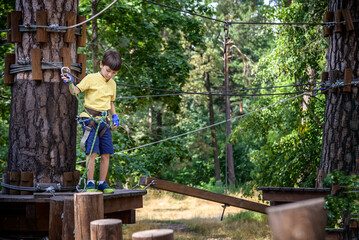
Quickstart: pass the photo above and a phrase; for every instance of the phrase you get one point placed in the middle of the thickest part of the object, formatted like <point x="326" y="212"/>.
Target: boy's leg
<point x="91" y="166"/>
<point x="105" y="161"/>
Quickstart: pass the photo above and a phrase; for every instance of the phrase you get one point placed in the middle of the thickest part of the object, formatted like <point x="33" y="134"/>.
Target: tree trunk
<point x="94" y="41"/>
<point x="42" y="133"/>
<point x="229" y="149"/>
<point x="341" y="125"/>
<point x="217" y="170"/>
<point x="159" y="123"/>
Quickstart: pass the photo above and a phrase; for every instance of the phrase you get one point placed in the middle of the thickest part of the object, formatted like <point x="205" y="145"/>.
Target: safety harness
<point x="92" y="124"/>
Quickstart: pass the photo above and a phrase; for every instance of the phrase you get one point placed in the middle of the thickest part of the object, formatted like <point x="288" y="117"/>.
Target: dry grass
<point x="193" y="218"/>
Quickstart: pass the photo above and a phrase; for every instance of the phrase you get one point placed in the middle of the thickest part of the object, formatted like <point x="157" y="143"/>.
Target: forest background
<point x="170" y="50"/>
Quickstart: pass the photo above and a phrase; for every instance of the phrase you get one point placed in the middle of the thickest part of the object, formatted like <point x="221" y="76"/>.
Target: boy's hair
<point x="112" y="59"/>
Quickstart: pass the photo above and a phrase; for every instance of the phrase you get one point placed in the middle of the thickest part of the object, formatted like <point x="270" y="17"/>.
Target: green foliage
<point x="345" y="202"/>
<point x="245" y="216"/>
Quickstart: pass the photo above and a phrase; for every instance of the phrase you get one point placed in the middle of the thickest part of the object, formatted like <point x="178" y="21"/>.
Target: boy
<point x="100" y="93"/>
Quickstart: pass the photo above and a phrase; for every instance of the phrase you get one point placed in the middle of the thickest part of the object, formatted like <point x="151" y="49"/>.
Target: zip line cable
<point x="200" y="129"/>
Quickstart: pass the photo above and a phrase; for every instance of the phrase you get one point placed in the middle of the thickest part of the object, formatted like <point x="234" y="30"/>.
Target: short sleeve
<point x="84" y="84"/>
<point x="113" y="98"/>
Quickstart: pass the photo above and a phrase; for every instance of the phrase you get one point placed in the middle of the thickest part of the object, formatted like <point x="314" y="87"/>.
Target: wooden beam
<point x="127" y="216"/>
<point x="81" y="40"/>
<point x="36" y="56"/>
<point x="8" y="78"/>
<point x="300" y="220"/>
<point x="26" y="180"/>
<point x="203" y="194"/>
<point x="122" y="204"/>
<point x="70" y="20"/>
<point x="154" y="234"/>
<point x="68" y="224"/>
<point x="16" y="35"/>
<point x="55" y="219"/>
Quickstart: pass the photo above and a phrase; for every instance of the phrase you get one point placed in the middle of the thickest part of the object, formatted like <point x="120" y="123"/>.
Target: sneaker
<point x="90" y="187"/>
<point x="105" y="188"/>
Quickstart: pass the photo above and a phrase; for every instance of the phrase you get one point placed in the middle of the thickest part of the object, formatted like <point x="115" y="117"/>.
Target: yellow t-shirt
<point x="98" y="93"/>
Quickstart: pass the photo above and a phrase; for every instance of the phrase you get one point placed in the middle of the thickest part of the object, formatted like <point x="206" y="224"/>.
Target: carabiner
<point x="66" y="69"/>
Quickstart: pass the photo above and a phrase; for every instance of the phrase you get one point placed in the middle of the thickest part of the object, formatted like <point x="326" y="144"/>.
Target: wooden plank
<point x="26" y="181"/>
<point x="8" y="78"/>
<point x="122" y="204"/>
<point x="55" y="219"/>
<point x="348" y="76"/>
<point x="14" y="180"/>
<point x="41" y="20"/>
<point x="349" y="26"/>
<point x="81" y="58"/>
<point x="328" y="17"/>
<point x="300" y="220"/>
<point x="66" y="57"/>
<point x="68" y="225"/>
<point x="36" y="56"/>
<point x="81" y="40"/>
<point x="16" y="35"/>
<point x="8" y="26"/>
<point x="70" y="19"/>
<point x="338" y="18"/>
<point x="278" y="196"/>
<point x="206" y="195"/>
<point x="127" y="216"/>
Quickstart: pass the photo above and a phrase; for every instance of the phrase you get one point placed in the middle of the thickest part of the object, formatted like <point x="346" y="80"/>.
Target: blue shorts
<point x="102" y="145"/>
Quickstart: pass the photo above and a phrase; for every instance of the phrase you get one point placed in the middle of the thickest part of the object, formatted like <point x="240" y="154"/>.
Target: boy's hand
<point x="67" y="78"/>
<point x="115" y="121"/>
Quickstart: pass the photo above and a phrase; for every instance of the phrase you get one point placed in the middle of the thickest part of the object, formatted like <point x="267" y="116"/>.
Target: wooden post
<point x="338" y="18"/>
<point x="27" y="180"/>
<point x="81" y="58"/>
<point x="81" y="40"/>
<point x="75" y="178"/>
<point x="348" y="76"/>
<point x="66" y="57"/>
<point x="14" y="180"/>
<point x="70" y="19"/>
<point x="349" y="26"/>
<point x="67" y="179"/>
<point x="88" y="207"/>
<point x="68" y="222"/>
<point x="154" y="234"/>
<point x="8" y="26"/>
<point x="41" y="19"/>
<point x="300" y="221"/>
<point x="8" y="78"/>
<point x="15" y="22"/>
<point x="36" y="56"/>
<point x="328" y="17"/>
<point x="55" y="218"/>
<point x="104" y="229"/>
<point x="5" y="179"/>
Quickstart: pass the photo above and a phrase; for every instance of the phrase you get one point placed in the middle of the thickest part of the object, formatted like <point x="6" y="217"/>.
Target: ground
<point x="196" y="219"/>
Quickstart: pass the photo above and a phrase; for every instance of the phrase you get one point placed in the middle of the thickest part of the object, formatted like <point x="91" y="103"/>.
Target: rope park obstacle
<point x="328" y="82"/>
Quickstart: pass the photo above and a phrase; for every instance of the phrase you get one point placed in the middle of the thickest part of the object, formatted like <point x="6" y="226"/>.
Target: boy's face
<point x="107" y="72"/>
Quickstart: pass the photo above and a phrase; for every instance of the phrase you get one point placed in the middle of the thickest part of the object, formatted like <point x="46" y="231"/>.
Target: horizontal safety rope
<point x="50" y="28"/>
<point x="16" y="68"/>
<point x="38" y="188"/>
<point x="197" y="130"/>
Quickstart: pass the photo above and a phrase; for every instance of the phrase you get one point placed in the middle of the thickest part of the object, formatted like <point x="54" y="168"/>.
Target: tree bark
<point x="217" y="170"/>
<point x="42" y="133"/>
<point x="229" y="149"/>
<point x="341" y="124"/>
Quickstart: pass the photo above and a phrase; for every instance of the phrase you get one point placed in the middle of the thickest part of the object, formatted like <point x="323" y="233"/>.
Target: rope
<point x="37" y="188"/>
<point x="247" y="23"/>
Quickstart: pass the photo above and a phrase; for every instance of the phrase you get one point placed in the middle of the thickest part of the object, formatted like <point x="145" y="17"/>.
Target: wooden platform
<point x="281" y="195"/>
<point x="28" y="215"/>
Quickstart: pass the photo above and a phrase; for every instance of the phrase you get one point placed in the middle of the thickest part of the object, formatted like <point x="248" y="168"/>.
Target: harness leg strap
<point x="85" y="137"/>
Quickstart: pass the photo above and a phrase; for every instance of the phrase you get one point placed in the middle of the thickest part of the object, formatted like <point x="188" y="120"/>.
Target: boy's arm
<point x="77" y="90"/>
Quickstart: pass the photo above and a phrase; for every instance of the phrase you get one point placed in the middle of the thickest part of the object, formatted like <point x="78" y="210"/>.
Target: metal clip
<point x="65" y="69"/>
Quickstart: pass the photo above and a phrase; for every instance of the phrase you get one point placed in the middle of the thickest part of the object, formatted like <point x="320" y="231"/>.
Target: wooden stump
<point x="304" y="220"/>
<point x="55" y="218"/>
<point x="88" y="207"/>
<point x="106" y="229"/>
<point x="154" y="234"/>
<point x="68" y="222"/>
